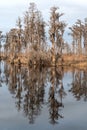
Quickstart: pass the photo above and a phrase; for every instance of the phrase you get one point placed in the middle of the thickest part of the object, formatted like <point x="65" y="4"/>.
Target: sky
<point x="11" y="9"/>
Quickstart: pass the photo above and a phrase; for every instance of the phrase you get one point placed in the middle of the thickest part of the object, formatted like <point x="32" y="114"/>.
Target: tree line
<point x="29" y="37"/>
<point x="79" y="37"/>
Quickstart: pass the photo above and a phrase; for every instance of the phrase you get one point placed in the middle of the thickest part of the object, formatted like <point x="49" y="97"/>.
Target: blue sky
<point x="11" y="9"/>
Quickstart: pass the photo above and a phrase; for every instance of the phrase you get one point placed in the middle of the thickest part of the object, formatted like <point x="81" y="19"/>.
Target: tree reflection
<point x="2" y="76"/>
<point x="34" y="85"/>
<point x="79" y="85"/>
<point x="6" y="72"/>
<point x="28" y="87"/>
<point x="56" y="93"/>
<point x="18" y="88"/>
<point x="13" y="79"/>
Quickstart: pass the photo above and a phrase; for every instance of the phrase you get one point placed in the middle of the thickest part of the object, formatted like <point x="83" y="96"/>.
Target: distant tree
<point x="79" y="28"/>
<point x="85" y="36"/>
<point x="73" y="34"/>
<point x="11" y="42"/>
<point x="0" y="41"/>
<point x="67" y="48"/>
<point x="19" y="33"/>
<point x="77" y="33"/>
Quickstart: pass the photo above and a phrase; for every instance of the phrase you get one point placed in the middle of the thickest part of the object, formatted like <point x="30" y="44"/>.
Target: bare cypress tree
<point x="34" y="27"/>
<point x="26" y="28"/>
<point x="14" y="40"/>
<point x="85" y="35"/>
<point x="19" y="34"/>
<point x="11" y="42"/>
<point x="74" y="35"/>
<point x="77" y="33"/>
<point x="79" y="29"/>
<point x="29" y="24"/>
<point x="56" y="30"/>
<point x="6" y="46"/>
<point x="40" y="31"/>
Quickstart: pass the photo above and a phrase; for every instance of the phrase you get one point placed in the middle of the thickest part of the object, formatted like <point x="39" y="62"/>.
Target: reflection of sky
<point x="10" y="10"/>
<point x="74" y="112"/>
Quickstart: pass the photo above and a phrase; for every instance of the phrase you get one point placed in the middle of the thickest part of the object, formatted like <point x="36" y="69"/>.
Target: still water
<point x="42" y="99"/>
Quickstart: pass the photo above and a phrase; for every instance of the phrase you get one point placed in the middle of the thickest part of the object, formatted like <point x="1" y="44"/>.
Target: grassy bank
<point x="44" y="59"/>
<point x="79" y="61"/>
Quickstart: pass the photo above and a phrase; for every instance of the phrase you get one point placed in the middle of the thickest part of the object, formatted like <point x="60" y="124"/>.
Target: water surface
<point x="42" y="98"/>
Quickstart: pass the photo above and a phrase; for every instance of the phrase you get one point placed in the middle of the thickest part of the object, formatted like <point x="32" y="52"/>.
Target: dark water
<point x="42" y="99"/>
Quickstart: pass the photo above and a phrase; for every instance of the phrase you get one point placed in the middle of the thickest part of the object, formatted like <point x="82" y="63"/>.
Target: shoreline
<point x="77" y="61"/>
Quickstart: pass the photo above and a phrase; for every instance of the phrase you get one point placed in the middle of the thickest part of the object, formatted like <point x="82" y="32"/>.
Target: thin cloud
<point x="73" y="9"/>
